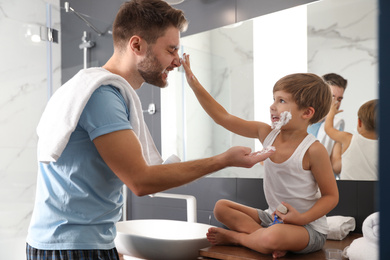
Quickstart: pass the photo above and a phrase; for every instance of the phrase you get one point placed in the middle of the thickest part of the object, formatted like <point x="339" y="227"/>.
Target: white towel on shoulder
<point x="366" y="247"/>
<point x="64" y="109"/>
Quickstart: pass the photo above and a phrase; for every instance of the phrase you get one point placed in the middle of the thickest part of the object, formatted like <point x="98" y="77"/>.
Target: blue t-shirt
<point x="313" y="129"/>
<point x="79" y="199"/>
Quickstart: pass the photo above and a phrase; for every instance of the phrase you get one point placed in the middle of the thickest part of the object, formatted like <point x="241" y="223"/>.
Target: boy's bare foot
<point x="278" y="254"/>
<point x="220" y="236"/>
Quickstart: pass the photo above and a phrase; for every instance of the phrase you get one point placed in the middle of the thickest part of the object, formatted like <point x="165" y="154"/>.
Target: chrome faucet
<point x="191" y="203"/>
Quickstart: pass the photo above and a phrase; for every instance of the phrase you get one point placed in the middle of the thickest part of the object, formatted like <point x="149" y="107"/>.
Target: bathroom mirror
<point x="239" y="65"/>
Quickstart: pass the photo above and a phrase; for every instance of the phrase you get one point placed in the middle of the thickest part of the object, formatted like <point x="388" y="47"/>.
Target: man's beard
<point x="151" y="70"/>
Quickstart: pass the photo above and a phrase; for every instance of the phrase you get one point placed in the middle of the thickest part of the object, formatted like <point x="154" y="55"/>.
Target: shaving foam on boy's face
<point x="284" y="118"/>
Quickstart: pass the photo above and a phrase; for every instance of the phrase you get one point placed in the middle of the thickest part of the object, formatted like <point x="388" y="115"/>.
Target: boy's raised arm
<point x="336" y="135"/>
<point x="218" y="113"/>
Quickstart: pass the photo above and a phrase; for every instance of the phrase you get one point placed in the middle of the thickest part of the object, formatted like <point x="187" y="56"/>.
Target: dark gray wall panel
<point x="101" y="14"/>
<point x="357" y="199"/>
<point x="204" y="15"/>
<point x="248" y="9"/>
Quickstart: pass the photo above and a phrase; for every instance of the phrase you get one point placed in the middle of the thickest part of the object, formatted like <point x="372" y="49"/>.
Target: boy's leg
<point x="236" y="216"/>
<point x="277" y="238"/>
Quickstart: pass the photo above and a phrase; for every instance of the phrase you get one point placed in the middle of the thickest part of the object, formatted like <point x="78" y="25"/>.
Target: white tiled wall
<point x="23" y="80"/>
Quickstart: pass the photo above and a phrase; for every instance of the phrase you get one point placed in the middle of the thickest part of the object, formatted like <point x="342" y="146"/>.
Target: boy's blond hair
<point x="307" y="90"/>
<point x="367" y="114"/>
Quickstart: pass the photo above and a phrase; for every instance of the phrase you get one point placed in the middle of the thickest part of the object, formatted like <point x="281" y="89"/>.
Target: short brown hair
<point x="367" y="114"/>
<point x="334" y="79"/>
<point x="307" y="90"/>
<point x="148" y="19"/>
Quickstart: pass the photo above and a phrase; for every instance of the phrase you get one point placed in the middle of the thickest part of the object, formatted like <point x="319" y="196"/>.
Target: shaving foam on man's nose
<point x="285" y="117"/>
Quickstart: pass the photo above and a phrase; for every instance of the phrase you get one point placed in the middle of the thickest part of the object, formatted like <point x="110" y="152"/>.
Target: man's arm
<point x="122" y="152"/>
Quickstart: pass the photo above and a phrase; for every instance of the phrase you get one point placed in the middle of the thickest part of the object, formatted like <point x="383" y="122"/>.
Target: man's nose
<point x="176" y="61"/>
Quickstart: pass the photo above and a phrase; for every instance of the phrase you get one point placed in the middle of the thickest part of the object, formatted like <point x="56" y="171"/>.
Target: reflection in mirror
<point x="239" y="65"/>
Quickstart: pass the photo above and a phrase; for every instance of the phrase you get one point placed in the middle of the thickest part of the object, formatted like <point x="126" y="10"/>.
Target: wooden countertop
<point x="243" y="253"/>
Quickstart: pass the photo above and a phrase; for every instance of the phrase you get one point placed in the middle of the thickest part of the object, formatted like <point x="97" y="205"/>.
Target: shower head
<point x="67" y="7"/>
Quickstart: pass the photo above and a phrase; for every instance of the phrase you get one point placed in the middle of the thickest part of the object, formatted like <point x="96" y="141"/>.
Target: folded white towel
<point x="340" y="226"/>
<point x="370" y="227"/>
<point x="64" y="109"/>
<point x="367" y="246"/>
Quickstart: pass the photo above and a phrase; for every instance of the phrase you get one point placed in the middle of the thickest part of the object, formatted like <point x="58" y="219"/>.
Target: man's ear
<point x="137" y="45"/>
<point x="308" y="113"/>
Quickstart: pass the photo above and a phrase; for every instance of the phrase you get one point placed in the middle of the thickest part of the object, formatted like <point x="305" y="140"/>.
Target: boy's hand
<point x="292" y="216"/>
<point x="333" y="108"/>
<point x="185" y="62"/>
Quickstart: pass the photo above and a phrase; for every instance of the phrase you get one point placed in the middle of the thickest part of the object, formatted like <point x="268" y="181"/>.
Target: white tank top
<point x="289" y="182"/>
<point x="360" y="160"/>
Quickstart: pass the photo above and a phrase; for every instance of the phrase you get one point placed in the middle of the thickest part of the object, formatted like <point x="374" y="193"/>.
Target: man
<point x="338" y="85"/>
<point x="92" y="139"/>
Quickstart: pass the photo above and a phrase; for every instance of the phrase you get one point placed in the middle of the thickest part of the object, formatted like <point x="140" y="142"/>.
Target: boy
<point x="358" y="158"/>
<point x="293" y="173"/>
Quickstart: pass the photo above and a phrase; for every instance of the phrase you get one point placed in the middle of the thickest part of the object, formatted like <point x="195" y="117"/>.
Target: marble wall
<point x="342" y="38"/>
<point x="24" y="81"/>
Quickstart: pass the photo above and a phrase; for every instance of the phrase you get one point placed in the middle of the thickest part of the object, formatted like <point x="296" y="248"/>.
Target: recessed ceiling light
<point x="174" y="2"/>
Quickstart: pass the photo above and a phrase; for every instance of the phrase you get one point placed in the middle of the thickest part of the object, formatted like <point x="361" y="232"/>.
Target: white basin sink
<point x="155" y="239"/>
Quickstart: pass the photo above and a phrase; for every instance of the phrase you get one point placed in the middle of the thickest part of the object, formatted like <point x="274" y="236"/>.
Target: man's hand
<point x="239" y="156"/>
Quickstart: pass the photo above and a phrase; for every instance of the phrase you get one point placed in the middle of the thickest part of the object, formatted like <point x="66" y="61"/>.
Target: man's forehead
<point x="171" y="38"/>
<point x="336" y="90"/>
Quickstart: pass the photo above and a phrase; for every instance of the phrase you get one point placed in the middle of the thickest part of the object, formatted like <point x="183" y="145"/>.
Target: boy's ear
<point x="308" y="113"/>
<point x="359" y="122"/>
